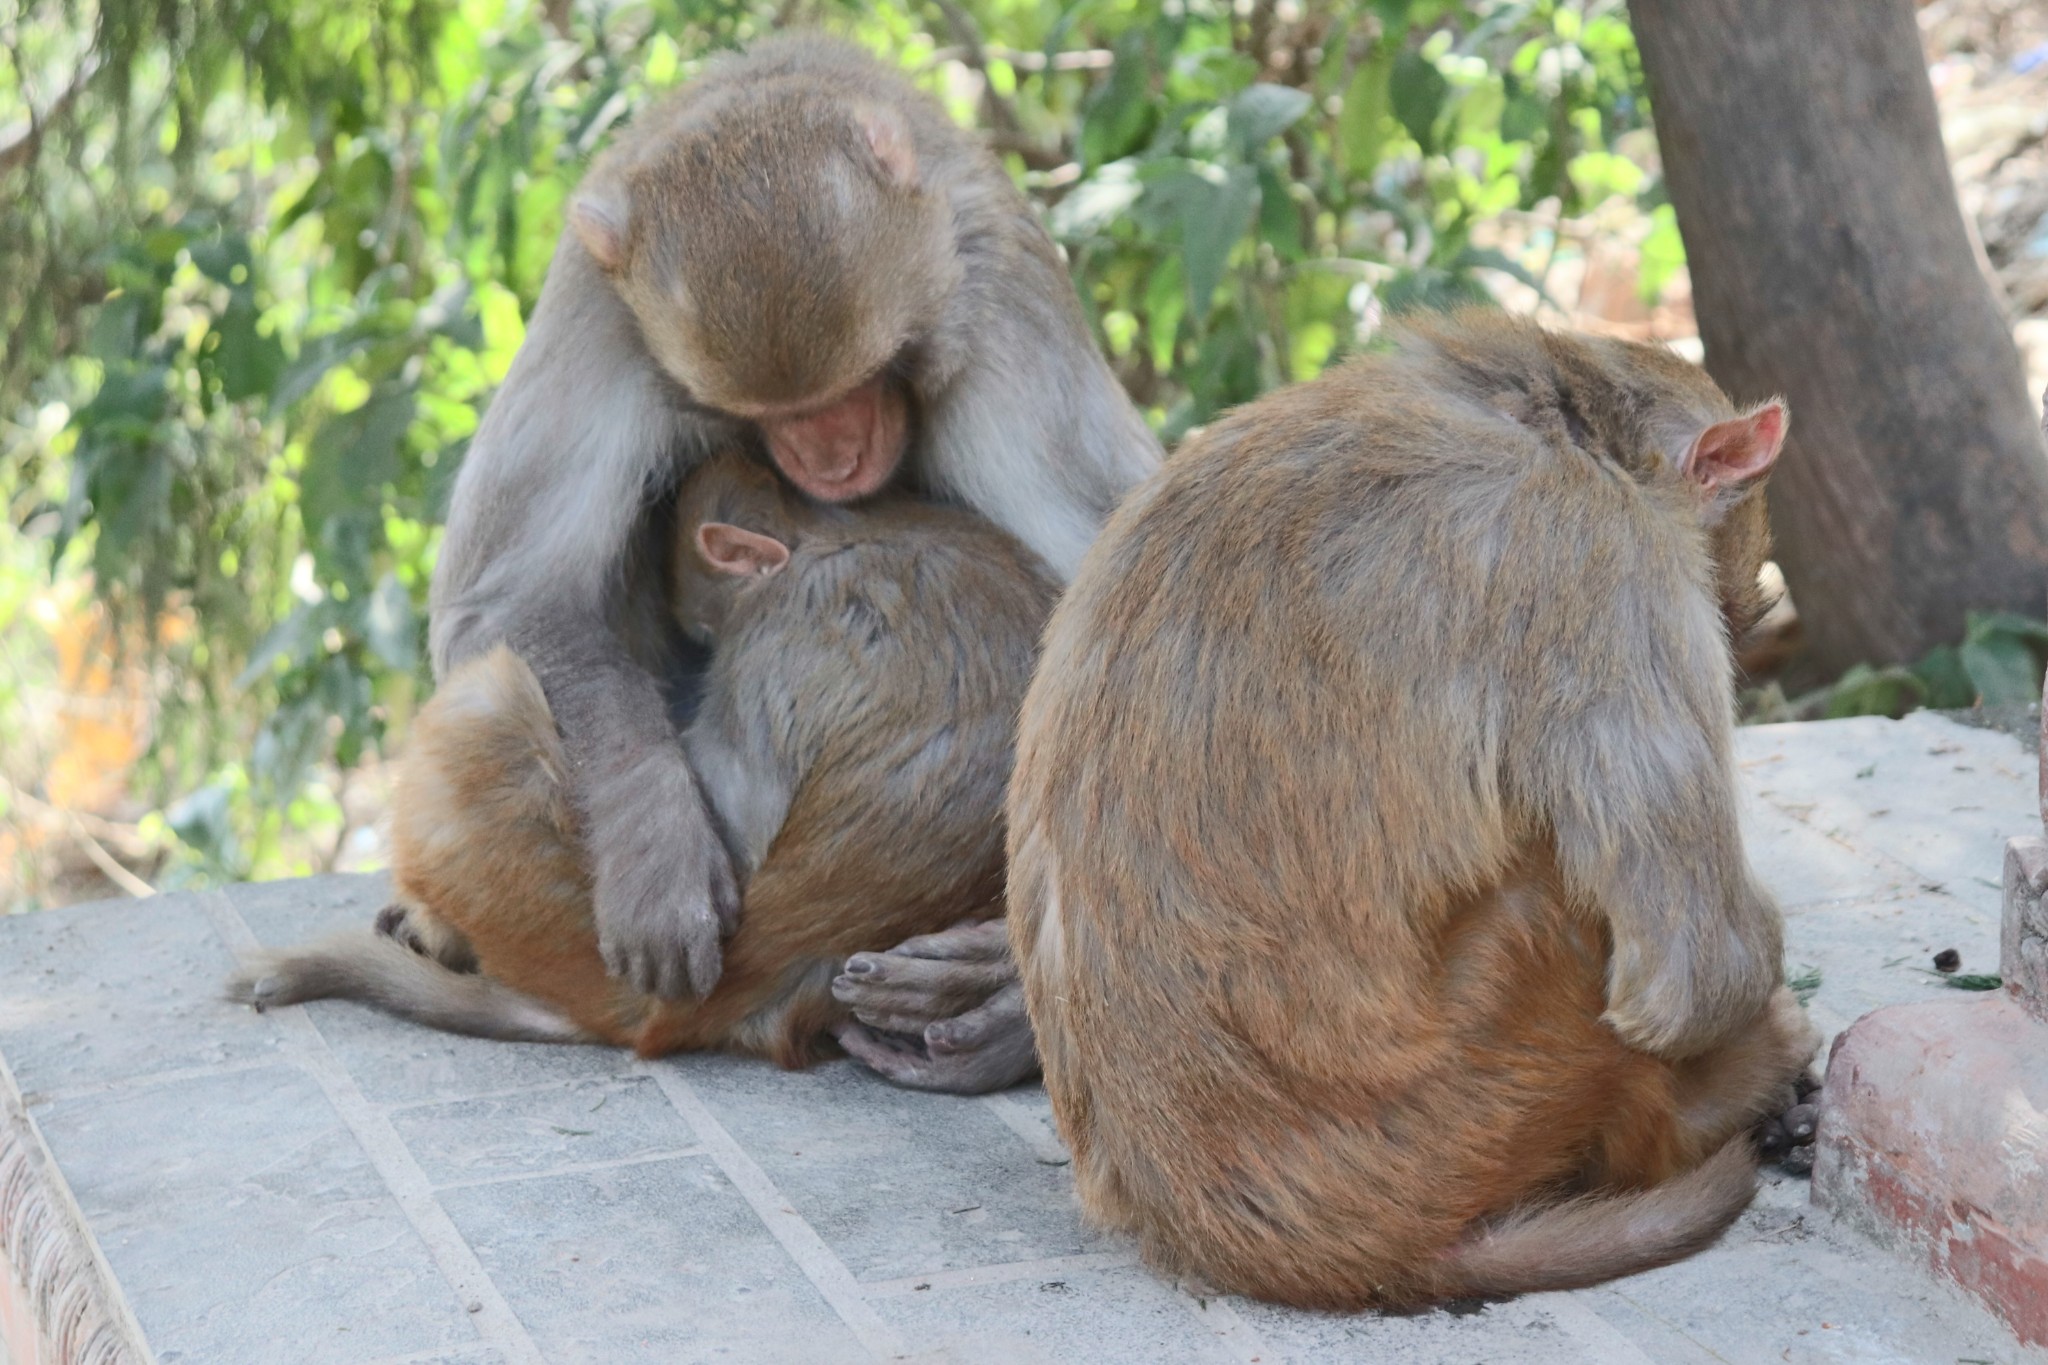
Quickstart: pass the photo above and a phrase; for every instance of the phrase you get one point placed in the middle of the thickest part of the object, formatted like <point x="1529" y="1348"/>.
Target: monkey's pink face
<point x="846" y="449"/>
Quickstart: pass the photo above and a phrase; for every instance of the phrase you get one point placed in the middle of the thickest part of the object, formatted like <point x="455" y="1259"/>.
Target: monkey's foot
<point x="928" y="978"/>
<point x="942" y="1011"/>
<point x="987" y="1049"/>
<point x="426" y="936"/>
<point x="1787" y="1138"/>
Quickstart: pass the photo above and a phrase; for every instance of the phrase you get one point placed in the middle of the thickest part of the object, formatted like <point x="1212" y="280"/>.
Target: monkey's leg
<point x="957" y="993"/>
<point x="1761" y="1080"/>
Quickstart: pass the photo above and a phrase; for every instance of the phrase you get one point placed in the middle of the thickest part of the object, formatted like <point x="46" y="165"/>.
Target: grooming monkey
<point x="800" y="252"/>
<point x="1375" y="875"/>
<point x="854" y="743"/>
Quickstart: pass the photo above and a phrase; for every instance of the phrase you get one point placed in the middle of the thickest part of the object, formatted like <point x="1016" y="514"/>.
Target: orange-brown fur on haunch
<point x="1372" y="730"/>
<point x="854" y="743"/>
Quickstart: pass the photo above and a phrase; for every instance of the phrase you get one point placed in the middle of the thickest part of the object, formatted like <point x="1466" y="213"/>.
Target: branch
<point x="23" y="149"/>
<point x="1002" y="115"/>
<point x="80" y="826"/>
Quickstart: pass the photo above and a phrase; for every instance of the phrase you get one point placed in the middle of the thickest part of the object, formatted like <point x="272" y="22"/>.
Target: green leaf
<point x="1122" y="109"/>
<point x="1361" y="127"/>
<point x="1279" y="216"/>
<point x="1948" y="683"/>
<point x="390" y="625"/>
<point x="1095" y="203"/>
<point x="1867" y="691"/>
<point x="1416" y="91"/>
<point x="1983" y="625"/>
<point x="1211" y="227"/>
<point x="218" y="258"/>
<point x="1262" y="112"/>
<point x="1663" y="254"/>
<point x="353" y="456"/>
<point x="291" y="639"/>
<point x="1973" y="981"/>
<point x="248" y="361"/>
<point x="2003" y="670"/>
<point x="200" y="820"/>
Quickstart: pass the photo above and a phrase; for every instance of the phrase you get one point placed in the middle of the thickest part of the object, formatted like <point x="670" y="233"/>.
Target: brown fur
<point x="797" y="251"/>
<point x="854" y="743"/>
<point x="1373" y="797"/>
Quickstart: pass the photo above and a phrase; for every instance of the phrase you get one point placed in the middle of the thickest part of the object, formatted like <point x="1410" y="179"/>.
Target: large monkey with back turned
<point x="796" y="247"/>
<point x="1375" y="874"/>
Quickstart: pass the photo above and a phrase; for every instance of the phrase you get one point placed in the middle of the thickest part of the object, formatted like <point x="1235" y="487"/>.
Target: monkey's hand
<point x="665" y="892"/>
<point x="1681" y="994"/>
<point x="957" y="994"/>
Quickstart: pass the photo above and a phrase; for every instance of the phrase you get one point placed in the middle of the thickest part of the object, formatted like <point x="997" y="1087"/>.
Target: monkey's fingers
<point x="1000" y="1024"/>
<point x="983" y="1050"/>
<point x="892" y="991"/>
<point x="661" y="911"/>
<point x="969" y="940"/>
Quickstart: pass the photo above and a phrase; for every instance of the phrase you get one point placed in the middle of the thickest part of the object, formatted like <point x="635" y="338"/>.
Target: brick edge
<point x="59" y="1305"/>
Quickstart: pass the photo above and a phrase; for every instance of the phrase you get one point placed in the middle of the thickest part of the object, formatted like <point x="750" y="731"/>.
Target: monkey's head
<point x="1678" y="424"/>
<point x="735" y="528"/>
<point x="784" y="256"/>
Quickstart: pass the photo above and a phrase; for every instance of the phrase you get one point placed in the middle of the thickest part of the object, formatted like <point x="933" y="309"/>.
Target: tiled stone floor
<point x="327" y="1185"/>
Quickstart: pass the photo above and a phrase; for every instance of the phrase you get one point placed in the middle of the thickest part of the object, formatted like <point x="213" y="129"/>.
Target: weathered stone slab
<point x="1935" y="1138"/>
<point x="325" y="1184"/>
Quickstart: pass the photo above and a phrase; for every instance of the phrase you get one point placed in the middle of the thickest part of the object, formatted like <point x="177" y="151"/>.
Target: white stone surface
<point x="326" y="1185"/>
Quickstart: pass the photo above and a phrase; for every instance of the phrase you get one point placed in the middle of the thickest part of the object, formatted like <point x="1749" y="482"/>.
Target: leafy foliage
<point x="2000" y="662"/>
<point x="269" y="257"/>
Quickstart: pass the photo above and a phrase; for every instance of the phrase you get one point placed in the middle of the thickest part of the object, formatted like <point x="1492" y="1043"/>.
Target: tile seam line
<point x="513" y="1092"/>
<point x="813" y="1256"/>
<point x="1585" y="1325"/>
<point x="573" y="1168"/>
<point x="1003" y="1272"/>
<point x="1035" y="1132"/>
<point x="147" y="1081"/>
<point x="1230" y="1329"/>
<point x="106" y="1292"/>
<point x="393" y="1161"/>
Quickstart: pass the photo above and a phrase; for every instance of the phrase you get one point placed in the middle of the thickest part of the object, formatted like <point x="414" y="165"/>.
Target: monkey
<point x="1375" y="876"/>
<point x="853" y="742"/>
<point x="798" y="252"/>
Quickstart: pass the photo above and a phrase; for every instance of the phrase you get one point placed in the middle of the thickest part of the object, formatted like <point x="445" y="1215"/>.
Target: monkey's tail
<point x="1589" y="1240"/>
<point x="387" y="974"/>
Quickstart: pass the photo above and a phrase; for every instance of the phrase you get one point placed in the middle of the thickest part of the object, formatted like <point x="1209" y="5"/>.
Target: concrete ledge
<point x="2023" y="937"/>
<point x="58" y="1304"/>
<point x="323" y="1185"/>
<point x="1935" y="1140"/>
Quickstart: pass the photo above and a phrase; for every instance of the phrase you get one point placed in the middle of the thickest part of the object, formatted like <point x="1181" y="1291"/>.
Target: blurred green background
<point x="265" y="260"/>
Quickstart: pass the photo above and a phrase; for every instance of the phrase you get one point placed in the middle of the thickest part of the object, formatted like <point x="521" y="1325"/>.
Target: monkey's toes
<point x="1788" y="1138"/>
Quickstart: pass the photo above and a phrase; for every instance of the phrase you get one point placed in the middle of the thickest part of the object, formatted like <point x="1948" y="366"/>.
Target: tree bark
<point x="1830" y="264"/>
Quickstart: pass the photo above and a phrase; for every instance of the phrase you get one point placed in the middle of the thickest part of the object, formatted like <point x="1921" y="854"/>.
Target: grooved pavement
<point x="327" y="1185"/>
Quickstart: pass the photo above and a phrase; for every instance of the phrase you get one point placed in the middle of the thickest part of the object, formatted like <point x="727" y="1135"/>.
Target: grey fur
<point x="553" y="513"/>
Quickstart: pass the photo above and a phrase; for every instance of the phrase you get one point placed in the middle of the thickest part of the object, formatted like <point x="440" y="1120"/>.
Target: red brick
<point x="1934" y="1136"/>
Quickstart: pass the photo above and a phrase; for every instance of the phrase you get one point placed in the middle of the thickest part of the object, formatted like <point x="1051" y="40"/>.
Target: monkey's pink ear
<point x="740" y="552"/>
<point x="599" y="215"/>
<point x="1737" y="450"/>
<point x="888" y="137"/>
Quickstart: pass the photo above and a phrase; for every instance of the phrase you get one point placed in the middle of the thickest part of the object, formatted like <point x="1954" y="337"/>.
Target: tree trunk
<point x="1830" y="264"/>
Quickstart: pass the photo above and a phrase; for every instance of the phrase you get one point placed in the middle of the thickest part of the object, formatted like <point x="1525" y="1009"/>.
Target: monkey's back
<point x="1309" y="996"/>
<point x="883" y="679"/>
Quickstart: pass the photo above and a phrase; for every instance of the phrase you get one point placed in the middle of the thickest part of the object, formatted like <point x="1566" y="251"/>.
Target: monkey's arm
<point x="1636" y="781"/>
<point x="537" y="555"/>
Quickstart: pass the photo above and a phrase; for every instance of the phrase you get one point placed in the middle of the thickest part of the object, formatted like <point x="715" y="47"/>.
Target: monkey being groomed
<point x="1375" y="875"/>
<point x="853" y="745"/>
